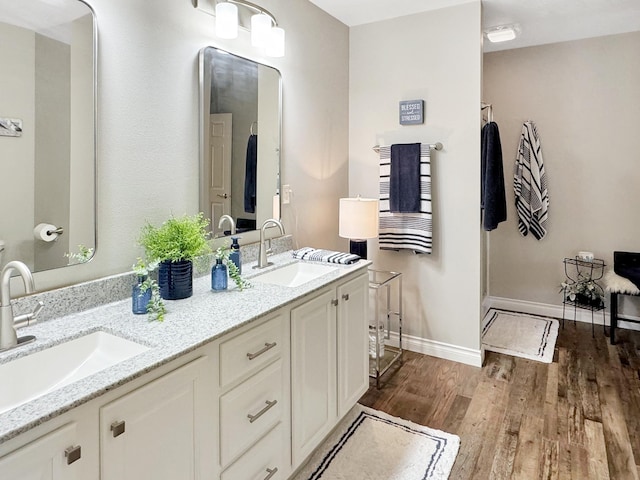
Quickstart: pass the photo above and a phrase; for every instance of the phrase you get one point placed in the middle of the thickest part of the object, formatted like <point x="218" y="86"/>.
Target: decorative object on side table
<point x="175" y="245"/>
<point x="580" y="287"/>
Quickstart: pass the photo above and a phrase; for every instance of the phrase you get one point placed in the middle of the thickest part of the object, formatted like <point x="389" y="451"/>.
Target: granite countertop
<point x="189" y="324"/>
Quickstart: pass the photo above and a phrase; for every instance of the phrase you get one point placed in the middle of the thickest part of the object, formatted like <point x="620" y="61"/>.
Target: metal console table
<point x="384" y="285"/>
<point x="581" y="288"/>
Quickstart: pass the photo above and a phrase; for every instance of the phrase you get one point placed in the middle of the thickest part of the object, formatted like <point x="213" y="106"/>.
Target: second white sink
<point x="294" y="274"/>
<point x="32" y="376"/>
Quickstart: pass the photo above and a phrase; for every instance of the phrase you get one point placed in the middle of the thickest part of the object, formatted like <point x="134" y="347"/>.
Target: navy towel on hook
<point x="494" y="199"/>
<point x="251" y="175"/>
<point x="404" y="178"/>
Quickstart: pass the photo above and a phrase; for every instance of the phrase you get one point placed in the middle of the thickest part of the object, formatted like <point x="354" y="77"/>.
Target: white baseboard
<point x="433" y="348"/>
<point x="555" y="311"/>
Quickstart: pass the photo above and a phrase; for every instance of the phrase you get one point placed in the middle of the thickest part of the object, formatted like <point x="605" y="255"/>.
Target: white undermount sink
<point x="32" y="376"/>
<point x="294" y="274"/>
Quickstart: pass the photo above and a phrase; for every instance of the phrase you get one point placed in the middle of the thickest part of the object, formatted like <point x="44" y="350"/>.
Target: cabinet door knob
<point x="270" y="404"/>
<point x="117" y="428"/>
<point x="334" y="302"/>
<point x="271" y="472"/>
<point x="73" y="454"/>
<point x="267" y="346"/>
<point x="345" y="296"/>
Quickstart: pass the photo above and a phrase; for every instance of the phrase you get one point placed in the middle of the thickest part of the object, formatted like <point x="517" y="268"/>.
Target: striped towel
<point x="308" y="253"/>
<point x="412" y="231"/>
<point x="530" y="184"/>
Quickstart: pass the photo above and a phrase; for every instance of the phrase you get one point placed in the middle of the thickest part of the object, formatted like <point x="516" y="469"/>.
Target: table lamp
<point x="358" y="222"/>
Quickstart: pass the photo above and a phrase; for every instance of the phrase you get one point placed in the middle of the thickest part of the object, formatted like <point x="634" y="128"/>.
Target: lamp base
<point x="358" y="247"/>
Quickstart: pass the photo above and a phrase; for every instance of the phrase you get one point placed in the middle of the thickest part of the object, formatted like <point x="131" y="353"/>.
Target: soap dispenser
<point x="234" y="256"/>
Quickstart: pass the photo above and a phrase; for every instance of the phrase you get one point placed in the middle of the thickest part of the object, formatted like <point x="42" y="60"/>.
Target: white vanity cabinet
<point x="158" y="431"/>
<point x="158" y="426"/>
<point x="54" y="456"/>
<point x="329" y="363"/>
<point x="253" y="413"/>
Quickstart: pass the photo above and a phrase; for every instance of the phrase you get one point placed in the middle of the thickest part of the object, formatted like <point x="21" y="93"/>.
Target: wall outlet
<point x="286" y="194"/>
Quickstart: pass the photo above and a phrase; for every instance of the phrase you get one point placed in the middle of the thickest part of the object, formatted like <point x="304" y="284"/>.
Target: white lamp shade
<point x="358" y="218"/>
<point x="275" y="45"/>
<point x="260" y="30"/>
<point x="226" y="20"/>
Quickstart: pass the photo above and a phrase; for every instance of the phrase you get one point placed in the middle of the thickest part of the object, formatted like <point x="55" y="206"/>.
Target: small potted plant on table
<point x="175" y="244"/>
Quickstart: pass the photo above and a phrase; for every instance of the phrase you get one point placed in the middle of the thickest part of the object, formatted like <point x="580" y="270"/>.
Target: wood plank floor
<point x="576" y="418"/>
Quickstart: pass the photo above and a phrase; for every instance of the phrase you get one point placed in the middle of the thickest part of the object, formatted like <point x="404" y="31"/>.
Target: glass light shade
<point x="260" y="30"/>
<point x="358" y="218"/>
<point x="226" y="20"/>
<point x="275" y="45"/>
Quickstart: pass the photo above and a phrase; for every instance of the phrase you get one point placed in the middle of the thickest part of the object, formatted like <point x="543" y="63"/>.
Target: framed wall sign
<point x="411" y="112"/>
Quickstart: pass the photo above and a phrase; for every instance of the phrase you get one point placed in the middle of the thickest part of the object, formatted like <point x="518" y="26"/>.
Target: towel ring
<point x="251" y="128"/>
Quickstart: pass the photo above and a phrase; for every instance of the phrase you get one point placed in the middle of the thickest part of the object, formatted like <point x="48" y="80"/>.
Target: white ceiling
<point x="540" y="21"/>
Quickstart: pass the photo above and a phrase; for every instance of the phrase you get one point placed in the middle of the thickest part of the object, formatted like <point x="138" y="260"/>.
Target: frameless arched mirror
<point x="47" y="132"/>
<point x="240" y="140"/>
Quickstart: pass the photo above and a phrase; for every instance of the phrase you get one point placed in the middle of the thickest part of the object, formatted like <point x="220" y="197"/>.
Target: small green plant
<point x="156" y="307"/>
<point x="178" y="238"/>
<point x="584" y="290"/>
<point x="223" y="253"/>
<point x="83" y="256"/>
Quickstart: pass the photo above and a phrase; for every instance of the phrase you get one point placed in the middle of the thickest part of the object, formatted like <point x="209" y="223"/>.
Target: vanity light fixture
<point x="502" y="33"/>
<point x="265" y="32"/>
<point x="226" y="20"/>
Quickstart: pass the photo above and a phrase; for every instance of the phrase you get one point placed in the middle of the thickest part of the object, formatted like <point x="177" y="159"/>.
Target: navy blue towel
<point x="404" y="178"/>
<point x="493" y="196"/>
<point x="251" y="175"/>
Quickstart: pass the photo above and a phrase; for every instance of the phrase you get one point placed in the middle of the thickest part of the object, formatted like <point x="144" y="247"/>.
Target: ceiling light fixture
<point x="265" y="32"/>
<point x="502" y="33"/>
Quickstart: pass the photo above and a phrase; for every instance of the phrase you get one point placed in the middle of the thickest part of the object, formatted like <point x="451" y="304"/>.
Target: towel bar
<point x="435" y="146"/>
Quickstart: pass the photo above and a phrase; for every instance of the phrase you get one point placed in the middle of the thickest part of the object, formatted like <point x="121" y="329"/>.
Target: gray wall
<point x="584" y="98"/>
<point x="416" y="57"/>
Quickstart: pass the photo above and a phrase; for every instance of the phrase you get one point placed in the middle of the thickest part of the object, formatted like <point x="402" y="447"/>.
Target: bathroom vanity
<point x="232" y="385"/>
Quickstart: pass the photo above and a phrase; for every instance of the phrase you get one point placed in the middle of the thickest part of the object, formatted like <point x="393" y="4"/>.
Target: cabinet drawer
<point x="249" y="411"/>
<point x="248" y="352"/>
<point x="267" y="459"/>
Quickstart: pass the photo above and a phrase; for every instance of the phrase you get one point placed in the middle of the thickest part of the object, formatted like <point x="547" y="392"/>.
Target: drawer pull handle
<point x="271" y="472"/>
<point x="73" y="454"/>
<point x="270" y="404"/>
<point x="345" y="297"/>
<point x="267" y="346"/>
<point x="117" y="428"/>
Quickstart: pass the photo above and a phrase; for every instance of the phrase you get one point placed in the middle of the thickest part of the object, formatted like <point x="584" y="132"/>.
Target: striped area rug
<point x="369" y="444"/>
<point x="520" y="335"/>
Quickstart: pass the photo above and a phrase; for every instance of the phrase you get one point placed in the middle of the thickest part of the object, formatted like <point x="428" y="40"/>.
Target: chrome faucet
<point x="8" y="323"/>
<point x="262" y="253"/>
<point x="229" y="219"/>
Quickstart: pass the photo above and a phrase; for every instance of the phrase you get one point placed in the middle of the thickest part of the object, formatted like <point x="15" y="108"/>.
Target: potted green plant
<point x="585" y="291"/>
<point x="175" y="244"/>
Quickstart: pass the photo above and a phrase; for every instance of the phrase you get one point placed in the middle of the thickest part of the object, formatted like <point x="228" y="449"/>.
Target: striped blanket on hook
<point x="530" y="184"/>
<point x="409" y="231"/>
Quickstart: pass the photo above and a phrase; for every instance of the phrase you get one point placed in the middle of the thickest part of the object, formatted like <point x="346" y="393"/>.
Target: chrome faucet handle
<point x="28" y="318"/>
